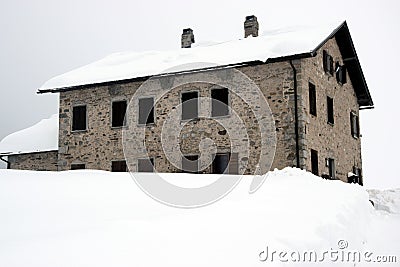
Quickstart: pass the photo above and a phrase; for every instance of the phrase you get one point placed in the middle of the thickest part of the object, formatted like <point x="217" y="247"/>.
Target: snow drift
<point x="40" y="137"/>
<point x="97" y="218"/>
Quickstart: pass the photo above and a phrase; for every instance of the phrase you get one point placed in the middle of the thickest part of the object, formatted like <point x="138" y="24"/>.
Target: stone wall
<point x="331" y="141"/>
<point x="39" y="161"/>
<point x="100" y="144"/>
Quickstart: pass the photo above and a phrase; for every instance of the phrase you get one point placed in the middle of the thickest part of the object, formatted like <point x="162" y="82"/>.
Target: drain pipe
<point x="296" y="115"/>
<point x="6" y="161"/>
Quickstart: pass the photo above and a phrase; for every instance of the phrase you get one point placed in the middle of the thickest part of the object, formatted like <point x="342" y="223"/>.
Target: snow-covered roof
<point x="129" y="65"/>
<point x="40" y="137"/>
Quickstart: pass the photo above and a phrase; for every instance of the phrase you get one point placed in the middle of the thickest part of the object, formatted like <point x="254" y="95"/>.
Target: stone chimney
<point x="187" y="38"/>
<point x="250" y="26"/>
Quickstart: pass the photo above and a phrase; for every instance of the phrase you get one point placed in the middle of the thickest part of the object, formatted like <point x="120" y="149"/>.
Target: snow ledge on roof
<point x="129" y="65"/>
<point x="41" y="137"/>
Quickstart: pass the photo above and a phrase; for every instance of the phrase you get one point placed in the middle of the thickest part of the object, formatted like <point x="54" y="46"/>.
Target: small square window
<point x="220" y="102"/>
<point x="146" y="110"/>
<point x="329" y="103"/>
<point x="189" y="105"/>
<point x="312" y="94"/>
<point x="146" y="165"/>
<point x="78" y="166"/>
<point x="79" y="118"/>
<point x="190" y="163"/>
<point x="119" y="166"/>
<point x="118" y="113"/>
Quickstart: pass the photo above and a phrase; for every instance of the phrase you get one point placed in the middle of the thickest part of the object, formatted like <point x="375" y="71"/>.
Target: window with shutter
<point x="118" y="113"/>
<point x="189" y="105"/>
<point x="146" y="111"/>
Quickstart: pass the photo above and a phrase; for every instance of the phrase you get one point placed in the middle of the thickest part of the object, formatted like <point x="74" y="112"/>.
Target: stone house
<point x="311" y="79"/>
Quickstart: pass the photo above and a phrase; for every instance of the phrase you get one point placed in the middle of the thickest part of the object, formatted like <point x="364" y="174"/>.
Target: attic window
<point x="146" y="111"/>
<point x="220" y="99"/>
<point x="79" y="118"/>
<point x="189" y="105"/>
<point x="328" y="63"/>
<point x="341" y="74"/>
<point x="118" y="113"/>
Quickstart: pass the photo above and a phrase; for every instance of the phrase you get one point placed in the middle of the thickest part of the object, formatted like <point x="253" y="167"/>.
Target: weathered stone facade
<point x="330" y="140"/>
<point x="101" y="143"/>
<point x="40" y="161"/>
<point x="290" y="130"/>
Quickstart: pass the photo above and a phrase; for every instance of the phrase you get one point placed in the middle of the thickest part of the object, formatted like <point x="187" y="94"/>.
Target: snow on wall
<point x="40" y="137"/>
<point x="126" y="65"/>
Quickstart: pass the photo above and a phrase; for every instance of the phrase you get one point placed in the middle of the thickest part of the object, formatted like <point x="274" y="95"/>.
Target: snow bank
<point x="386" y="200"/>
<point x="40" y="137"/>
<point x="126" y="65"/>
<point x="97" y="218"/>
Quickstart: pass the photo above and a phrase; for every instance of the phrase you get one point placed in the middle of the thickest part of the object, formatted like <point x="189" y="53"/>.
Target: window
<point x="355" y="125"/>
<point x="358" y="176"/>
<point x="189" y="105"/>
<point x="220" y="102"/>
<point x="314" y="162"/>
<point x="78" y="166"/>
<point x="328" y="63"/>
<point x="118" y="113"/>
<point x="190" y="163"/>
<point x="329" y="104"/>
<point x="146" y="165"/>
<point x="146" y="110"/>
<point x="331" y="167"/>
<point x="312" y="94"/>
<point x="119" y="166"/>
<point x="341" y="74"/>
<point x="79" y="118"/>
<point x="225" y="163"/>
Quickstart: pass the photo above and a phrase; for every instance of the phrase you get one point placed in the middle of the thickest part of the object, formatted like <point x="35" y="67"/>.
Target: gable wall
<point x="331" y="141"/>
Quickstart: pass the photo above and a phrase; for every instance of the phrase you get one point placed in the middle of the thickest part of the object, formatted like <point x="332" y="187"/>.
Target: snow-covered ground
<point x="97" y="218"/>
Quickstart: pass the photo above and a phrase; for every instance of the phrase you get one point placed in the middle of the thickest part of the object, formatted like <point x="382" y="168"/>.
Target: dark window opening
<point x="328" y="63"/>
<point x="329" y="103"/>
<point x="119" y="166"/>
<point x="190" y="163"/>
<point x="146" y="110"/>
<point x="341" y="74"/>
<point x="225" y="163"/>
<point x="331" y="167"/>
<point x="314" y="162"/>
<point x="313" y="99"/>
<point x="118" y="113"/>
<point x="78" y="166"/>
<point x="357" y="177"/>
<point x="79" y="118"/>
<point x="189" y="105"/>
<point x="355" y="125"/>
<point x="146" y="165"/>
<point x="220" y="102"/>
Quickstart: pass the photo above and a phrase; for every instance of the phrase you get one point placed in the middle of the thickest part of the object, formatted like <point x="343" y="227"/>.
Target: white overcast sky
<point x="44" y="38"/>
